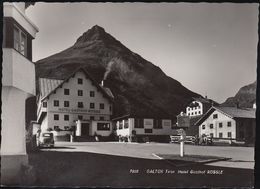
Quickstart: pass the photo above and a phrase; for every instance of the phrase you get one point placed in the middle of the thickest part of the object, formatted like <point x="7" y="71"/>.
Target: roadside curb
<point x="190" y="162"/>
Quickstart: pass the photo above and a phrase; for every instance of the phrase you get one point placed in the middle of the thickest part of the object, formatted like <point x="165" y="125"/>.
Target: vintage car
<point x="45" y="139"/>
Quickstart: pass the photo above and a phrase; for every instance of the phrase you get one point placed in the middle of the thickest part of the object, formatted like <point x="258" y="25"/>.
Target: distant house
<point x="76" y="102"/>
<point x="228" y="123"/>
<point x="199" y="106"/>
<point x="192" y="113"/>
<point x="154" y="129"/>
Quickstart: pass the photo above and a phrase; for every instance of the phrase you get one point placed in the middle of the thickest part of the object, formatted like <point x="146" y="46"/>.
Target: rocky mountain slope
<point x="245" y="97"/>
<point x="139" y="87"/>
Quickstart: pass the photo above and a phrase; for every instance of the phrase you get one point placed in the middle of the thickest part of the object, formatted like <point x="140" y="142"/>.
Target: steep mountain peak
<point x="93" y="34"/>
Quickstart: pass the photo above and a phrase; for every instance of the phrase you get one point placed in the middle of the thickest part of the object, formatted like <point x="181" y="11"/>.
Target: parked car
<point x="45" y="139"/>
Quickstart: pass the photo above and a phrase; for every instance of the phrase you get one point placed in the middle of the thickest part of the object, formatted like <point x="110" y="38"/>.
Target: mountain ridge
<point x="139" y="86"/>
<point x="245" y="97"/>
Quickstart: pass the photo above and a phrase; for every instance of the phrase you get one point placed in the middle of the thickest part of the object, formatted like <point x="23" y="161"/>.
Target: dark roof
<point x="205" y="100"/>
<point x="139" y="116"/>
<point x="50" y="85"/>
<point x="232" y="112"/>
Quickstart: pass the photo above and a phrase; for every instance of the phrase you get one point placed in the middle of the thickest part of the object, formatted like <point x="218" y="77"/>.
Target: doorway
<point x="85" y="129"/>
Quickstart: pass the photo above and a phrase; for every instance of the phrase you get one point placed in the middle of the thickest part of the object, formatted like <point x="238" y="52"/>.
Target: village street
<point x="128" y="164"/>
<point x="242" y="157"/>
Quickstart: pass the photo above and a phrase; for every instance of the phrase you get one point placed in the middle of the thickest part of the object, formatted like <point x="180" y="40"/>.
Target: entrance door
<point x="85" y="129"/>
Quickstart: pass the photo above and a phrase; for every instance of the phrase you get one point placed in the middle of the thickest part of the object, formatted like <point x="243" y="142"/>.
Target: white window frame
<point x="18" y="41"/>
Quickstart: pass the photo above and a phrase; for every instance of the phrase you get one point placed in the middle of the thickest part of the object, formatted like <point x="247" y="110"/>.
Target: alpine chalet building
<point x="77" y="103"/>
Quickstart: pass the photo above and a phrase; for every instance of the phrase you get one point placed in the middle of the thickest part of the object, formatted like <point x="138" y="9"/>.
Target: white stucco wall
<point x="18" y="71"/>
<point x="93" y="129"/>
<point x="13" y="121"/>
<point x="195" y="111"/>
<point x="148" y="124"/>
<point x="16" y="10"/>
<point x="222" y="118"/>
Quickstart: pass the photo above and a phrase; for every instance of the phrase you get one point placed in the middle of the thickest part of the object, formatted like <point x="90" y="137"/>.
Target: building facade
<point x="77" y="102"/>
<point x="18" y="84"/>
<point x="199" y="106"/>
<point x="228" y="123"/>
<point x="151" y="128"/>
<point x="194" y="110"/>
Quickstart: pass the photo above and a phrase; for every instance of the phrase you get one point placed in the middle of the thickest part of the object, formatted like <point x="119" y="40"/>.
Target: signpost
<point x="182" y="133"/>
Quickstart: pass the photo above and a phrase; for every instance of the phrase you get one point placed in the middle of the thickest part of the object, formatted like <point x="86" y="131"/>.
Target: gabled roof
<point x="232" y="112"/>
<point x="52" y="85"/>
<point x="48" y="85"/>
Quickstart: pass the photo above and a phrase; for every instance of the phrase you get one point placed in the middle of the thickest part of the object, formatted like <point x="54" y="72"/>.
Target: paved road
<point x="242" y="157"/>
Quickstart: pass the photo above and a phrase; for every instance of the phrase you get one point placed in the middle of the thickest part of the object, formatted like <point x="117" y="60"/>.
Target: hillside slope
<point x="246" y="96"/>
<point x="139" y="87"/>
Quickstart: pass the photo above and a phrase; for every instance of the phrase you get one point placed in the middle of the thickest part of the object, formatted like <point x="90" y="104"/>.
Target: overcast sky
<point x="210" y="48"/>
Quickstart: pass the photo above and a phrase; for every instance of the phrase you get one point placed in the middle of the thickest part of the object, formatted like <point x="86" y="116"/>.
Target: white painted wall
<point x="148" y="124"/>
<point x="17" y="12"/>
<point x="13" y="121"/>
<point x="93" y="129"/>
<point x="18" y="71"/>
<point x="222" y="118"/>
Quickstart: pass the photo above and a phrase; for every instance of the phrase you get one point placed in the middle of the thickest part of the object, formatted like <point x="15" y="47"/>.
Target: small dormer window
<point x="20" y="41"/>
<point x="80" y="81"/>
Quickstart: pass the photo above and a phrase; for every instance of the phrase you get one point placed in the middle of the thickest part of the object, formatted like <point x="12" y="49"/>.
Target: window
<point x="80" y="117"/>
<point x="56" y="116"/>
<point x="203" y="126"/>
<point x="56" y="128"/>
<point x="211" y="126"/>
<point x="139" y="123"/>
<point x="80" y="93"/>
<point x="66" y="103"/>
<point x="80" y="81"/>
<point x="80" y="104"/>
<point x="92" y="118"/>
<point x="102" y="106"/>
<point x="157" y="124"/>
<point x="66" y="117"/>
<point x="215" y="116"/>
<point x="103" y="126"/>
<point x="101" y="118"/>
<point x="56" y="103"/>
<point x="44" y="104"/>
<point x="66" y="128"/>
<point x="92" y="93"/>
<point x="66" y="92"/>
<point x="211" y="135"/>
<point x="220" y="135"/>
<point x="92" y="105"/>
<point x="126" y="124"/>
<point x="229" y="123"/>
<point x="199" y="112"/>
<point x="220" y="125"/>
<point x="229" y="134"/>
<point x="148" y="131"/>
<point x="120" y="124"/>
<point x="20" y="41"/>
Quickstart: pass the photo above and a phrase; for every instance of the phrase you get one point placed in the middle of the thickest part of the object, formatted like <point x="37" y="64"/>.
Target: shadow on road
<point x="52" y="168"/>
